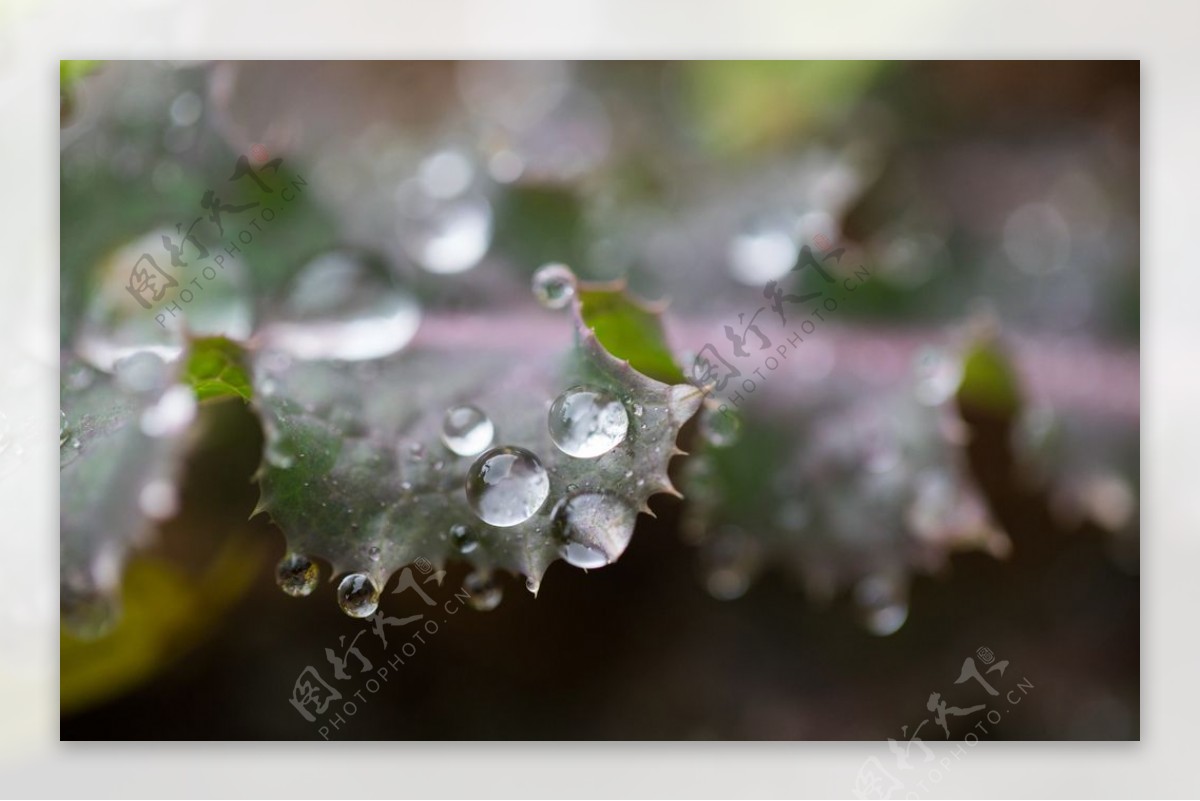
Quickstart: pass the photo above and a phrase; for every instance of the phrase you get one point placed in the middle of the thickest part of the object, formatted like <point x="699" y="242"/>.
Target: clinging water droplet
<point x="358" y="596"/>
<point x="296" y="575"/>
<point x="506" y="486"/>
<point x="554" y="285"/>
<point x="595" y="528"/>
<point x="486" y="593"/>
<point x="466" y="430"/>
<point x="586" y="422"/>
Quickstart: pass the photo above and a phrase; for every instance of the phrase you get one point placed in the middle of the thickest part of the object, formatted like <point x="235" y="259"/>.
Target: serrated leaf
<point x="356" y="471"/>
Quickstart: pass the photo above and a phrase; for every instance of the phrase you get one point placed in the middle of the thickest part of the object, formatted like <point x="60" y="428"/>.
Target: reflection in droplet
<point x="586" y="422"/>
<point x="486" y="593"/>
<point x="171" y="414"/>
<point x="343" y="305"/>
<point x="444" y="235"/>
<point x="595" y="528"/>
<point x="466" y="430"/>
<point x="882" y="603"/>
<point x="764" y="252"/>
<point x="358" y="596"/>
<point x="554" y="285"/>
<point x="507" y="486"/>
<point x="296" y="575"/>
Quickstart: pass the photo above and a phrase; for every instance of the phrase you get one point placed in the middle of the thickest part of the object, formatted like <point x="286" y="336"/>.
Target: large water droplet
<point x="486" y="593"/>
<point x="466" y="430"/>
<point x="297" y="575"/>
<point x="586" y="422"/>
<point x="171" y="414"/>
<point x="554" y="285"/>
<point x="444" y="235"/>
<point x="358" y="596"/>
<point x="343" y="305"/>
<point x="507" y="486"/>
<point x="140" y="300"/>
<point x="595" y="528"/>
<point x="464" y="538"/>
<point x="882" y="603"/>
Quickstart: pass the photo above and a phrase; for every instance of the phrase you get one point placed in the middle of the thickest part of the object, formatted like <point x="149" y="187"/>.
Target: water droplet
<point x="764" y="252"/>
<point x="343" y="305"/>
<point x="444" y="235"/>
<point x="532" y="584"/>
<point x="466" y="430"/>
<point x="64" y="429"/>
<point x="486" y="593"/>
<point x="172" y="414"/>
<point x="464" y="538"/>
<point x="720" y="429"/>
<point x="586" y="422"/>
<point x="297" y="575"/>
<point x="357" y="595"/>
<point x="506" y="486"/>
<point x="554" y="285"/>
<point x="882" y="602"/>
<point x="159" y="499"/>
<point x="595" y="529"/>
<point x="279" y="450"/>
<point x="144" y="371"/>
<point x="373" y="553"/>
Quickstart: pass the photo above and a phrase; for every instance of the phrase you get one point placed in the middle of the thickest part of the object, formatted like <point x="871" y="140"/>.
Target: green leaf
<point x="215" y="369"/>
<point x="630" y="331"/>
<point x="355" y="470"/>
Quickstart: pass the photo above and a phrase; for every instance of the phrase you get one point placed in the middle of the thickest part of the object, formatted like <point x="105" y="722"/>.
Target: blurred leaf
<point x="989" y="381"/>
<point x="215" y="369"/>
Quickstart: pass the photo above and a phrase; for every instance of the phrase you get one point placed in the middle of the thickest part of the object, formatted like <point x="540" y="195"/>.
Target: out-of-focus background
<point x="993" y="196"/>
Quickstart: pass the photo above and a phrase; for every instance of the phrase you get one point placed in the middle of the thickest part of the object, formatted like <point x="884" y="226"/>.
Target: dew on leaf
<point x="343" y="305"/>
<point x="357" y="595"/>
<point x="554" y="285"/>
<point x="594" y="528"/>
<point x="466" y="430"/>
<point x="506" y="486"/>
<point x="296" y="575"/>
<point x="586" y="422"/>
<point x="485" y="591"/>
